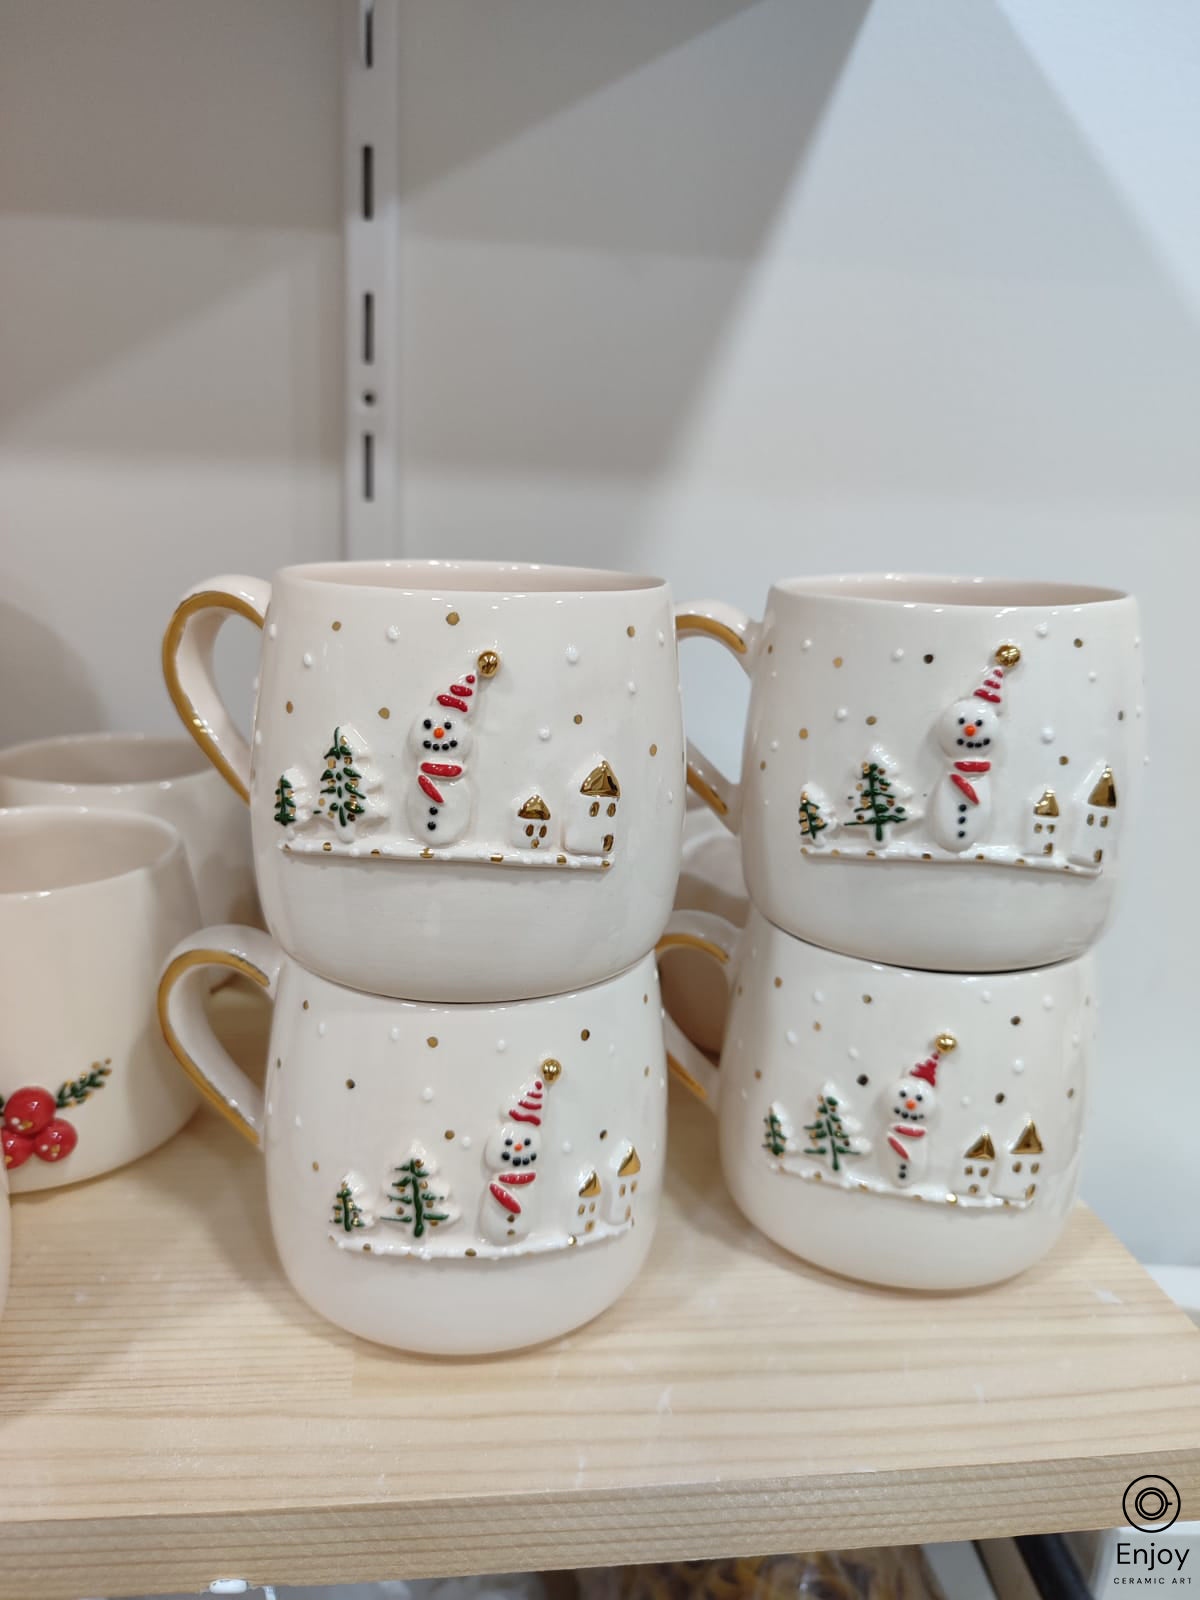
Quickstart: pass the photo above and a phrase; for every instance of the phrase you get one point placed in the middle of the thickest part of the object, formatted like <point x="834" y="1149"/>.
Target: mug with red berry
<point x="90" y="902"/>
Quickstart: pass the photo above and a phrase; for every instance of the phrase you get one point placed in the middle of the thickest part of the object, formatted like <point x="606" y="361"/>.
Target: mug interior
<point x="472" y="577"/>
<point x="109" y="760"/>
<point x="901" y="588"/>
<point x="44" y="848"/>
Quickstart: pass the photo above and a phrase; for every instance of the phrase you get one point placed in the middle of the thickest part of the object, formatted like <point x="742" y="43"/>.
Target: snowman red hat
<point x="992" y="686"/>
<point x="458" y="695"/>
<point x="927" y="1069"/>
<point x="529" y="1107"/>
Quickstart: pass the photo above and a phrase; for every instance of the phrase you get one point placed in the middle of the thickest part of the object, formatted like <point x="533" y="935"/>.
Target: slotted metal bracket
<point x="371" y="83"/>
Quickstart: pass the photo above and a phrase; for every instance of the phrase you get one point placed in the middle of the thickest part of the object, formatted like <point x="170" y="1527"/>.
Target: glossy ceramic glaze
<point x="167" y="778"/>
<point x="533" y="1134"/>
<point x="868" y="828"/>
<point x="466" y="780"/>
<point x="915" y="1129"/>
<point x="90" y="904"/>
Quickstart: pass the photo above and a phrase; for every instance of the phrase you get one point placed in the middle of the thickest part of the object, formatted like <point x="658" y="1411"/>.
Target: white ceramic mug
<point x="167" y="777"/>
<point x="936" y="771"/>
<point x="914" y="1129"/>
<point x="90" y="904"/>
<point x="466" y="781"/>
<point x="446" y="1179"/>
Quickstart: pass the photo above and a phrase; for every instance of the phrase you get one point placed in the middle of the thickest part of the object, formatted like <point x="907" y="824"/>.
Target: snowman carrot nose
<point x="910" y="1105"/>
<point x="440" y="733"/>
<point x="971" y="729"/>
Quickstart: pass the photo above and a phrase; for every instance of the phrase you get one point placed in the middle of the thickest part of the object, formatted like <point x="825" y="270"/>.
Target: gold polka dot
<point x="1062" y="760"/>
<point x="631" y="630"/>
<point x="327" y="845"/>
<point x="452" y="618"/>
<point x="653" y="749"/>
<point x="866" y="999"/>
<point x="586" y="1034"/>
<point x="645" y="999"/>
<point x="349" y="1083"/>
<point x="304" y="1003"/>
<point x="758" y="1072"/>
<point x="1016" y="1021"/>
<point x="384" y="712"/>
<point x="770" y="649"/>
<point x="449" y="1133"/>
<point x="779" y="983"/>
<point x="335" y="626"/>
<point x="816" y="1027"/>
<point x="762" y="766"/>
<point x="432" y="1041"/>
<point x="316" y="1166"/>
<point x="1079" y="644"/>
<point x="871" y="721"/>
<point x="579" y="716"/>
<point x="645" y="1072"/>
<point x="804" y="733"/>
<point x="837" y="661"/>
<point x="289" y="708"/>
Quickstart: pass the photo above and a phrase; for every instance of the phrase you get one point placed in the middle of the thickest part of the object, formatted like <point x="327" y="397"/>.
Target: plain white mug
<point x="915" y="1129"/>
<point x="936" y="771"/>
<point x="166" y="777"/>
<point x="466" y="780"/>
<point x="446" y="1179"/>
<point x="90" y="904"/>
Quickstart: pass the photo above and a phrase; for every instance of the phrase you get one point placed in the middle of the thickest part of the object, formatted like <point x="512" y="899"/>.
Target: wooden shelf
<point x="172" y="1414"/>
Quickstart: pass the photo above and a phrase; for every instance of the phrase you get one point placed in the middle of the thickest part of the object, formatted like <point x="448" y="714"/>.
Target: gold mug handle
<point x="740" y="636"/>
<point x="187" y="661"/>
<point x="711" y="936"/>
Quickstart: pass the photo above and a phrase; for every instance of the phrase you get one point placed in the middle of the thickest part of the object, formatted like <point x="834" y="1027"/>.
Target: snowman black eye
<point x="427" y="723"/>
<point x="447" y="724"/>
<point x="961" y="721"/>
<point x="508" y="1142"/>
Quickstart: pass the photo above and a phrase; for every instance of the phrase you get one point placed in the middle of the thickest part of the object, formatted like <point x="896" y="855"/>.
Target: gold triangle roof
<point x="591" y="1186"/>
<point x="535" y="809"/>
<point x="1047" y="806"/>
<point x="1028" y="1144"/>
<point x="630" y="1165"/>
<point x="1105" y="792"/>
<point x="983" y="1149"/>
<point x="601" y="780"/>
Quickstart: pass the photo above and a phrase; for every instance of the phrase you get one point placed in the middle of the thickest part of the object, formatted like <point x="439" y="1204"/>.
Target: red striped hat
<point x="991" y="686"/>
<point x="927" y="1069"/>
<point x="529" y="1107"/>
<point x="459" y="694"/>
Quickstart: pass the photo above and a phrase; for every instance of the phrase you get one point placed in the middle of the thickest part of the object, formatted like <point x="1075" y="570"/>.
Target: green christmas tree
<point x="876" y="807"/>
<point x="812" y="820"/>
<point x="778" y="1130"/>
<point x="285" y="801"/>
<point x="416" y="1205"/>
<point x="340" y="783"/>
<point x="828" y="1135"/>
<point x="76" y="1090"/>
<point x="348" y="1214"/>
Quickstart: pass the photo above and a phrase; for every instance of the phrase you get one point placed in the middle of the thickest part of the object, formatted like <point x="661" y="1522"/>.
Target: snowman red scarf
<point x="962" y="784"/>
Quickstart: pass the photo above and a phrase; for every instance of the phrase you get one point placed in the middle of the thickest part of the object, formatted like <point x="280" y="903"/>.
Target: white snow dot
<point x="307" y="658"/>
<point x="841" y="713"/>
<point x="745" y="1094"/>
<point x="1091" y="677"/>
<point x="631" y="686"/>
<point x="1042" y="629"/>
<point x="1018" y="1065"/>
<point x="258" y="735"/>
<point x="790" y="1036"/>
<point x="393" y="1034"/>
<point x="818" y="995"/>
<point x="501" y="1045"/>
<point x="1047" y="1002"/>
<point x="272" y="630"/>
<point x="774" y="745"/>
<point x="662" y="638"/>
<point x="612" y="1049"/>
<point x="966" y="1100"/>
<point x="1047" y="735"/>
<point x="1137" y="640"/>
<point x="465" y="1141"/>
<point x="572" y="654"/>
<point x="543" y="734"/>
<point x="566" y="1147"/>
<point x="898" y="653"/>
<point x="393" y="633"/>
<point x="807" y="644"/>
<point x="321" y="1030"/>
<point x="670" y="796"/>
<point x="427" y="1093"/>
<point x="299" y="1123"/>
<point x="1075" y="1039"/>
<point x="1137" y="711"/>
<point x="852" y="1052"/>
<point x="986" y="996"/>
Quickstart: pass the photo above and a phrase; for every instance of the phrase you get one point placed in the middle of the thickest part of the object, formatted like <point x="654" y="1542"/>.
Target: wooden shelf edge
<point x="59" y="1560"/>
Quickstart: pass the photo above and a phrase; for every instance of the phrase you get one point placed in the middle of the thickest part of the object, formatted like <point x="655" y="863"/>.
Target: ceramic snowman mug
<point x="466" y="781"/>
<point x="168" y="778"/>
<point x="935" y="770"/>
<point x="90" y="904"/>
<point x="447" y="1179"/>
<point x="915" y="1129"/>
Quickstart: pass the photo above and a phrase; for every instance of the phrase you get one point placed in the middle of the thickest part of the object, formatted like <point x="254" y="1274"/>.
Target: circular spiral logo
<point x="1151" y="1503"/>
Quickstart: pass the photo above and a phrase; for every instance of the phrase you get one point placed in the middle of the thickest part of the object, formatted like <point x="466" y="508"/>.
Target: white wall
<point x="726" y="288"/>
<point x="730" y="290"/>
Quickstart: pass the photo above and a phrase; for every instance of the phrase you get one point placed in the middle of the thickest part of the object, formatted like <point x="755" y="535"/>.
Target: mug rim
<point x="435" y="576"/>
<point x="170" y="845"/>
<point x="946" y="591"/>
<point x="198" y="765"/>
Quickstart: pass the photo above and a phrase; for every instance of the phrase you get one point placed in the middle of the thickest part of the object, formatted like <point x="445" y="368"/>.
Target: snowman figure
<point x="511" y="1157"/>
<point x="439" y="807"/>
<point x="911" y="1110"/>
<point x="969" y="734"/>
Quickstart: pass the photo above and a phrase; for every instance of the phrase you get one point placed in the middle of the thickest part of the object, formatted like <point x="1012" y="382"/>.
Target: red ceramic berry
<point x="29" y="1110"/>
<point x="17" y="1147"/>
<point x="56" y="1140"/>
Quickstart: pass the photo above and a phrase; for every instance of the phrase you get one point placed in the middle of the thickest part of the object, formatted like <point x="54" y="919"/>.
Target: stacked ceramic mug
<point x="936" y="777"/>
<point x="466" y="786"/>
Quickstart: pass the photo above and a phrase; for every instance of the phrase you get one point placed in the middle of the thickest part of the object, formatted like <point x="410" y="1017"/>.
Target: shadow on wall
<point x="48" y="686"/>
<point x="581" y="211"/>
